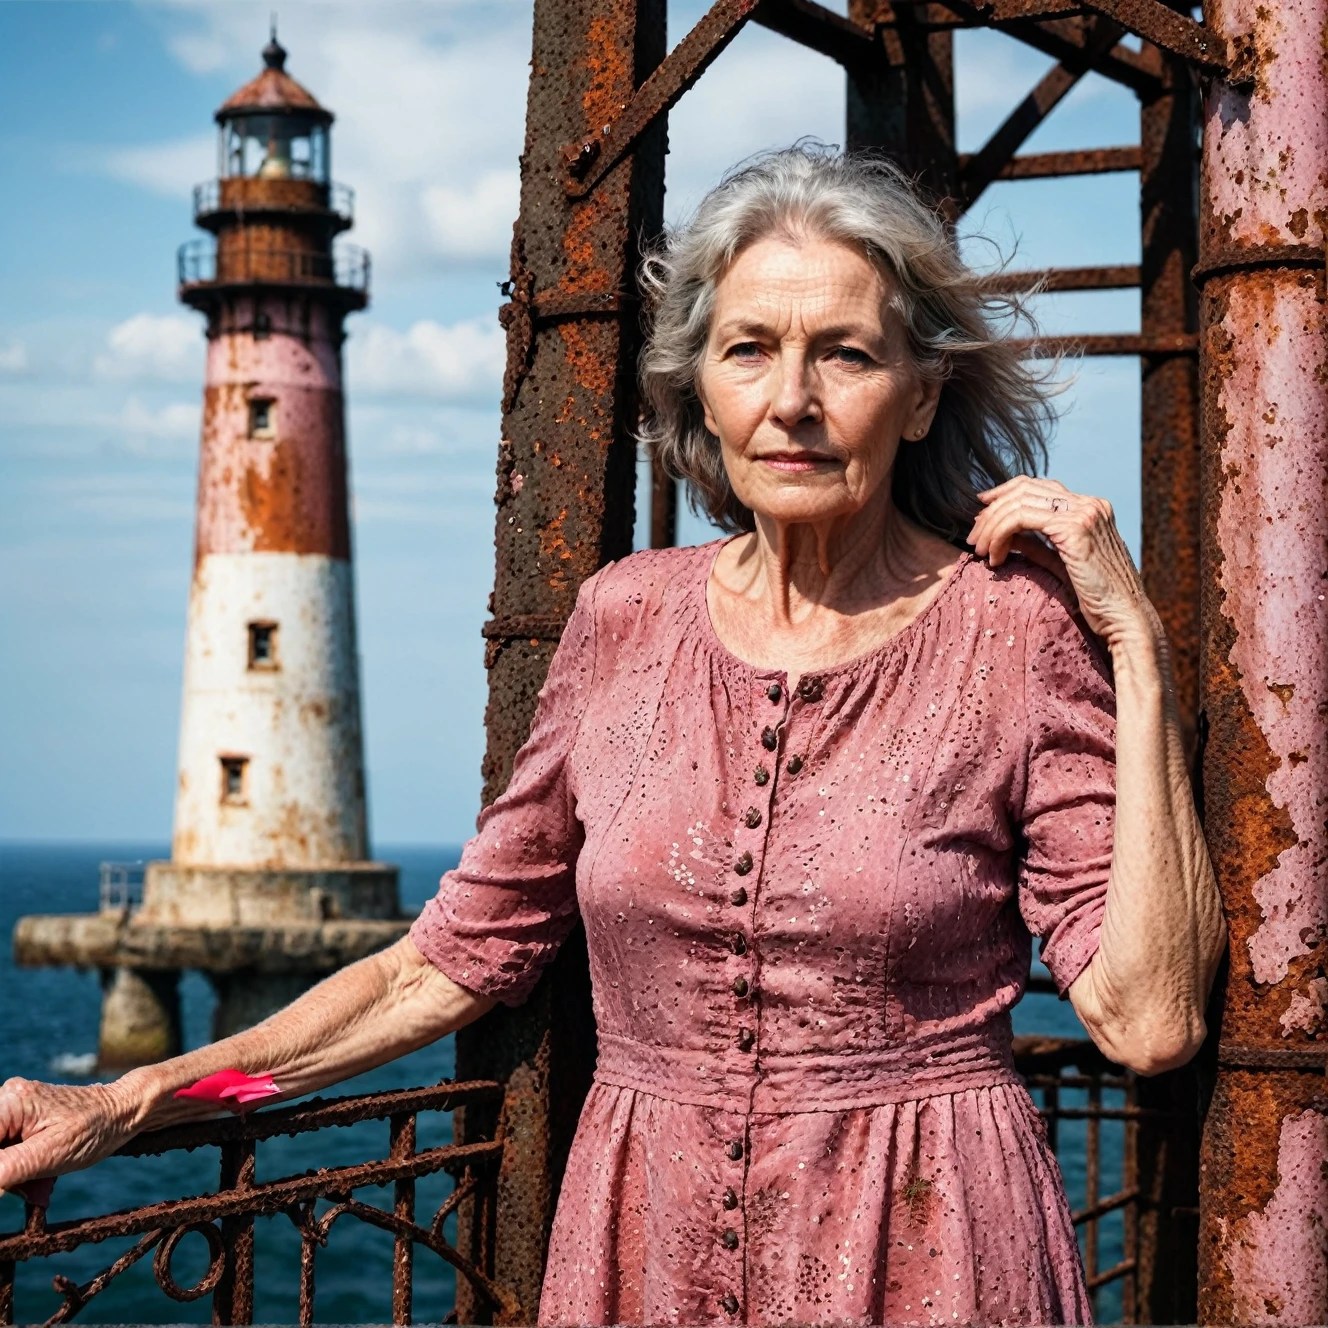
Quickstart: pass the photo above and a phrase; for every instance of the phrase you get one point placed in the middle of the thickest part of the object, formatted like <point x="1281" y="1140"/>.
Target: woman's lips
<point x="796" y="463"/>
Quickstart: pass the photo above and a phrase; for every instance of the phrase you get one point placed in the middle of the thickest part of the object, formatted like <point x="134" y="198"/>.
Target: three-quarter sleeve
<point x="501" y="915"/>
<point x="1069" y="805"/>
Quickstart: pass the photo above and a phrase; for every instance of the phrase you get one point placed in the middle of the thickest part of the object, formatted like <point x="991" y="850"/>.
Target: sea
<point x="48" y="1031"/>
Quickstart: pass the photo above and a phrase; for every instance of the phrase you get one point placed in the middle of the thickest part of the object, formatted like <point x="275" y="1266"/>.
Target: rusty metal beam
<point x="1055" y="165"/>
<point x="1164" y="27"/>
<point x="663" y="508"/>
<point x="1065" y="38"/>
<point x="986" y="163"/>
<point x="1264" y="409"/>
<point x="1121" y="277"/>
<point x="1111" y="343"/>
<point x="820" y="29"/>
<point x="566" y="472"/>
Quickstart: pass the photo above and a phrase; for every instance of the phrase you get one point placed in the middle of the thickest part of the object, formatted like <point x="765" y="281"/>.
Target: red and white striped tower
<point x="270" y="819"/>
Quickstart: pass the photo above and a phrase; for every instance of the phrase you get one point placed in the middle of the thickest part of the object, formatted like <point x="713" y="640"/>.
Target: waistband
<point x="782" y="1084"/>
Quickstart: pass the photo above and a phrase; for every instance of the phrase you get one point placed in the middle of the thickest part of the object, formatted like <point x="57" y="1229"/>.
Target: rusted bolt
<point x="580" y="157"/>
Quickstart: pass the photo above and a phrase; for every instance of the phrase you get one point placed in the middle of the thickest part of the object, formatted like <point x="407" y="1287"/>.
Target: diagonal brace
<point x="805" y="21"/>
<point x="987" y="163"/>
<point x="1155" y="22"/>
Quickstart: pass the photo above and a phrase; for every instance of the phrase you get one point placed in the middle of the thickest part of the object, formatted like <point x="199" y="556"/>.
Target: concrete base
<point x="178" y="894"/>
<point x="140" y="1017"/>
<point x="247" y="998"/>
<point x="116" y="940"/>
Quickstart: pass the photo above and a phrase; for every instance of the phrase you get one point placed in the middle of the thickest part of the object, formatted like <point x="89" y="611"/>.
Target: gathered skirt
<point x="941" y="1210"/>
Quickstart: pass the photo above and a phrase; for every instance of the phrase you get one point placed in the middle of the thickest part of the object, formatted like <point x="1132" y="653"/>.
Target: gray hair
<point x="994" y="415"/>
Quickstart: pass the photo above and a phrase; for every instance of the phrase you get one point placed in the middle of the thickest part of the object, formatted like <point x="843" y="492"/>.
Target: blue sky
<point x="105" y="126"/>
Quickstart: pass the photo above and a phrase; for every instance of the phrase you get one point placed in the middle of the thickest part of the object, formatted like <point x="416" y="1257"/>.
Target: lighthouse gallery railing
<point x="201" y="262"/>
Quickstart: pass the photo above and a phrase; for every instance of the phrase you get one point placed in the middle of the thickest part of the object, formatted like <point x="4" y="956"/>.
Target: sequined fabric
<point x="808" y="916"/>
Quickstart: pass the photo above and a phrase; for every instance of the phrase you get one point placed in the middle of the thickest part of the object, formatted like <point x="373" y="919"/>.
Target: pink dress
<point x="808" y="917"/>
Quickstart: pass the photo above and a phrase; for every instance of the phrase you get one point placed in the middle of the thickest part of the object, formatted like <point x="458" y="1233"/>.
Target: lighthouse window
<point x="262" y="645"/>
<point x="283" y="146"/>
<point x="262" y="417"/>
<point x="232" y="779"/>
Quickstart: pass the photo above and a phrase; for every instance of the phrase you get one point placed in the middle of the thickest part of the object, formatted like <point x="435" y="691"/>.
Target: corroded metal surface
<point x="1166" y="1151"/>
<point x="1264" y="384"/>
<point x="904" y="106"/>
<point x="225" y="1219"/>
<point x="1050" y="165"/>
<point x="1170" y="385"/>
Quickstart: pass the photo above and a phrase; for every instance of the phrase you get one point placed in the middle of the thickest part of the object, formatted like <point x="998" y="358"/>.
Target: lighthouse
<point x="270" y="809"/>
<point x="270" y="882"/>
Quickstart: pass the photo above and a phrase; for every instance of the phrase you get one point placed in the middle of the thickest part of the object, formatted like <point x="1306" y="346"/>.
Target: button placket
<point x="730" y="1237"/>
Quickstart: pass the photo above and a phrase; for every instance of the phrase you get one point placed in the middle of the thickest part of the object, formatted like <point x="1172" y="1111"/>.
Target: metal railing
<point x="225" y="1219"/>
<point x="120" y="888"/>
<point x="339" y="200"/>
<point x="200" y="262"/>
<point x="1077" y="1092"/>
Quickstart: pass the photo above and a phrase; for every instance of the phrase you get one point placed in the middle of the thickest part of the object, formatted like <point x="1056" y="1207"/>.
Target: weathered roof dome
<point x="273" y="90"/>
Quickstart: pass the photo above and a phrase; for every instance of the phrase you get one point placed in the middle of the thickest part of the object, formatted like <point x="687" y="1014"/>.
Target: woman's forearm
<point x="1143" y="996"/>
<point x="365" y="1015"/>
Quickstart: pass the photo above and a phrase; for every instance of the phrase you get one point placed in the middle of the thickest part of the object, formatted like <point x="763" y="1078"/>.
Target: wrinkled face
<point x="806" y="380"/>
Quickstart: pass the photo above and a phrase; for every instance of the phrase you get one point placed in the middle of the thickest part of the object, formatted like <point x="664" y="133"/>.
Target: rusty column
<point x="566" y="472"/>
<point x="1168" y="1161"/>
<point x="904" y="104"/>
<point x="1264" y="367"/>
<point x="1168" y="177"/>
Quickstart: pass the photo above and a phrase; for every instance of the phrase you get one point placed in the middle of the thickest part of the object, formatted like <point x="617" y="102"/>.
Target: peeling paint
<point x="1278" y="1257"/>
<point x="1273" y="531"/>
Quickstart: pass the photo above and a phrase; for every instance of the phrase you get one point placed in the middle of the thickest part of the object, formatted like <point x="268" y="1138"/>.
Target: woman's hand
<point x="47" y="1130"/>
<point x="1075" y="537"/>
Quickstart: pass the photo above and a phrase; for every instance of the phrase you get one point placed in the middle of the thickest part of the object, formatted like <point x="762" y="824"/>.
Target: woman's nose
<point x="793" y="394"/>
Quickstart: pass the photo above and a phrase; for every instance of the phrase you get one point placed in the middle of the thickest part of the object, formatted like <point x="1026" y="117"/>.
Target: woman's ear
<point x="926" y="401"/>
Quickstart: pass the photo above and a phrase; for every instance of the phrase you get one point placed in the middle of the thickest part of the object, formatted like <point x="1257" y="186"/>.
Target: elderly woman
<point x="810" y="789"/>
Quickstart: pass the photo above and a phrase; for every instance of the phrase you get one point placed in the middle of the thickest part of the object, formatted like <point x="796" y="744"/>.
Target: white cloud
<point x="172" y="168"/>
<point x="475" y="222"/>
<point x="153" y="348"/>
<point x="13" y="357"/>
<point x="171" y="422"/>
<point x="463" y="361"/>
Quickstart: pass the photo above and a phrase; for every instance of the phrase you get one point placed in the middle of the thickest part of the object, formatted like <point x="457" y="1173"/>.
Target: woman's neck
<point x="849" y="565"/>
<point x="797" y="597"/>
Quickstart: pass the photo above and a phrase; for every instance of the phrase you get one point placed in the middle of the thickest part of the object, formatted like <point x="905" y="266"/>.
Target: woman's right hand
<point x="47" y="1130"/>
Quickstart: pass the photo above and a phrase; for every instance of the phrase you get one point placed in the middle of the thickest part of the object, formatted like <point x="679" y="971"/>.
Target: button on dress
<point x="809" y="914"/>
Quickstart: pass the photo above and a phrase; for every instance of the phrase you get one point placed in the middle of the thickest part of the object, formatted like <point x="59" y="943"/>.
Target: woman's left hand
<point x="1074" y="536"/>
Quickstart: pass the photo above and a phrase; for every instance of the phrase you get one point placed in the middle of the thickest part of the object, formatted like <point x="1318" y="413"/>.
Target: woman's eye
<point x="850" y="355"/>
<point x="745" y="350"/>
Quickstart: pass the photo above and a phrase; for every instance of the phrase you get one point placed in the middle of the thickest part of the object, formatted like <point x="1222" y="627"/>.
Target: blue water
<point x="48" y="1020"/>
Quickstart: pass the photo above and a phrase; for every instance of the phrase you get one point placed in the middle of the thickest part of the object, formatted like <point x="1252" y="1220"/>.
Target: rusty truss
<point x="225" y="1219"/>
